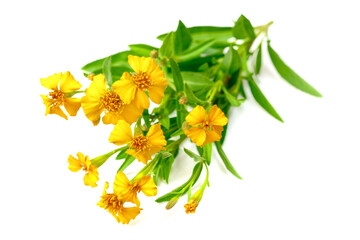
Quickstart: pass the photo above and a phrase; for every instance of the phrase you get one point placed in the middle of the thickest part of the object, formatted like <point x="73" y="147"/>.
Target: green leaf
<point x="181" y="190"/>
<point x="258" y="60"/>
<point x="117" y="60"/>
<point x="107" y="70"/>
<point x="163" y="167"/>
<point x="128" y="160"/>
<point x="122" y="154"/>
<point x="203" y="33"/>
<point x="195" y="80"/>
<point x="142" y="49"/>
<point x="146" y="118"/>
<point x="232" y="99"/>
<point x="195" y="52"/>
<point x="192" y="98"/>
<point x="207" y="152"/>
<point x="231" y="62"/>
<point x="177" y="133"/>
<point x="289" y="75"/>
<point x="182" y="38"/>
<point x="165" y="121"/>
<point x="178" y="80"/>
<point x="226" y="161"/>
<point x="167" y="47"/>
<point x="261" y="99"/>
<point x="193" y="155"/>
<point x="243" y="29"/>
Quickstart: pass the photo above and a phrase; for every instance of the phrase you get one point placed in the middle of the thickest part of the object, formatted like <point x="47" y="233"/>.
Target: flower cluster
<point x="192" y="80"/>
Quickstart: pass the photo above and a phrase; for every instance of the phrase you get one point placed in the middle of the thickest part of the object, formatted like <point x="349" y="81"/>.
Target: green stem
<point x="100" y="160"/>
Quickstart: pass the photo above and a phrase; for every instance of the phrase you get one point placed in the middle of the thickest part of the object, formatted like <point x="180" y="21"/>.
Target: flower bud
<point x="183" y="100"/>
<point x="185" y="126"/>
<point x="91" y="76"/>
<point x="154" y="54"/>
<point x="172" y="202"/>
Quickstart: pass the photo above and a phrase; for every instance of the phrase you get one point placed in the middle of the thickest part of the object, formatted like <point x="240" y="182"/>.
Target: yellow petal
<point x="155" y="136"/>
<point x="47" y="101"/>
<point x="97" y="88"/>
<point x="99" y="77"/>
<point x="51" y="82"/>
<point x="141" y="100"/>
<point x="91" y="178"/>
<point x="141" y="64"/>
<point x="112" y="117"/>
<point x="125" y="87"/>
<point x="197" y="116"/>
<point x="72" y="105"/>
<point x="128" y="214"/>
<point x="211" y="136"/>
<point x="197" y="135"/>
<point x="217" y="117"/>
<point x="121" y="184"/>
<point x="74" y="164"/>
<point x="121" y="134"/>
<point x="147" y="186"/>
<point x="156" y="92"/>
<point x="58" y="111"/>
<point x="68" y="83"/>
<point x="131" y="113"/>
<point x="140" y="156"/>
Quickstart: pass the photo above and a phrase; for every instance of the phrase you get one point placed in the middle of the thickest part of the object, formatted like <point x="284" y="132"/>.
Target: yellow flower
<point x="147" y="77"/>
<point x="129" y="190"/>
<point x="140" y="146"/>
<point x="114" y="204"/>
<point x="206" y="128"/>
<point x="99" y="99"/>
<point x="91" y="176"/>
<point x="61" y="85"/>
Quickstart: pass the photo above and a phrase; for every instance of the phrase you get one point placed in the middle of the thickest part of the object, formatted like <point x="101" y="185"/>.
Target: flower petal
<point x="112" y="117"/>
<point x="52" y="81"/>
<point x="156" y="92"/>
<point x="74" y="164"/>
<point x="131" y="113"/>
<point x="121" y="134"/>
<point x="125" y="87"/>
<point x="197" y="116"/>
<point x="156" y="136"/>
<point x="91" y="178"/>
<point x="147" y="186"/>
<point x="68" y="83"/>
<point x="141" y="100"/>
<point x="217" y="117"/>
<point x="127" y="214"/>
<point x="141" y="64"/>
<point x="197" y="135"/>
<point x="72" y="105"/>
<point x="121" y="184"/>
<point x="58" y="111"/>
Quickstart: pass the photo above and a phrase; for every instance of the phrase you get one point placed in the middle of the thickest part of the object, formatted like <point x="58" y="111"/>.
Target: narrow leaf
<point x="182" y="38"/>
<point x="192" y="98"/>
<point x="167" y="47"/>
<point x="289" y="75"/>
<point x="207" y="152"/>
<point x="178" y="80"/>
<point x="195" y="52"/>
<point x="231" y="62"/>
<point x="142" y="49"/>
<point x="107" y="70"/>
<point x="226" y="161"/>
<point x="232" y="99"/>
<point x="243" y="29"/>
<point x="128" y="160"/>
<point x="193" y="155"/>
<point x="261" y="99"/>
<point x="258" y="60"/>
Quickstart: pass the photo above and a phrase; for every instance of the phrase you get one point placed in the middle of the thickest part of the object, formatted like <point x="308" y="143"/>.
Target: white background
<point x="301" y="178"/>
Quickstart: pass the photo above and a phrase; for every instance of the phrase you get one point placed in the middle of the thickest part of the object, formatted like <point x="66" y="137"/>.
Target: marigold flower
<point x="206" y="128"/>
<point x="61" y="85"/>
<point x="129" y="189"/>
<point x="147" y="77"/>
<point x="114" y="204"/>
<point x="140" y="146"/>
<point x="99" y="99"/>
<point x="83" y="162"/>
<point x="191" y="206"/>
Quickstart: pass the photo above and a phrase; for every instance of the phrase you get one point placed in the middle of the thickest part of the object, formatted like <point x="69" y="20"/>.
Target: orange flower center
<point x="112" y="102"/>
<point x="206" y="125"/>
<point x="139" y="143"/>
<point x="57" y="98"/>
<point x="142" y="80"/>
<point x="190" y="207"/>
<point x="111" y="202"/>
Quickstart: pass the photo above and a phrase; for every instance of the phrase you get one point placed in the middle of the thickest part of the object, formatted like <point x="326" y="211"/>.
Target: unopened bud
<point x="185" y="126"/>
<point x="183" y="100"/>
<point x="138" y="131"/>
<point x="171" y="203"/>
<point x="154" y="54"/>
<point x="91" y="76"/>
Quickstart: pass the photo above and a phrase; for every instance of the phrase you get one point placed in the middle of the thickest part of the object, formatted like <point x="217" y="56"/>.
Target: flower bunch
<point x="192" y="79"/>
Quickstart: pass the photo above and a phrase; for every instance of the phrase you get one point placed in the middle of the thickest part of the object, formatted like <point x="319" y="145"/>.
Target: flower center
<point x="190" y="207"/>
<point x="139" y="143"/>
<point x="57" y="97"/>
<point x="111" y="203"/>
<point x="111" y="101"/>
<point x="142" y="80"/>
<point x="206" y="125"/>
